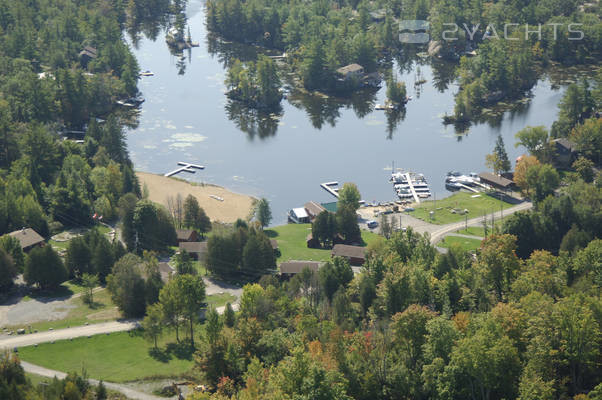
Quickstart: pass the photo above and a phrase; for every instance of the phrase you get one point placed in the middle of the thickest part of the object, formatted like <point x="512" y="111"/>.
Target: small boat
<point x="147" y="73"/>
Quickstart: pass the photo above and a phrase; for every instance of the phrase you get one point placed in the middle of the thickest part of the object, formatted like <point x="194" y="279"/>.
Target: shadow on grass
<point x="51" y="294"/>
<point x="159" y="354"/>
<point x="271" y="233"/>
<point x="183" y="350"/>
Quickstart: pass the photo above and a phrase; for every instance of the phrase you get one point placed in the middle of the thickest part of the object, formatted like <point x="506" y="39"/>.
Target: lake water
<point x="186" y="117"/>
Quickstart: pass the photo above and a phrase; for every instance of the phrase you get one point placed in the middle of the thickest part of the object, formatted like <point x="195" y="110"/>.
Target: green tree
<point x="349" y="196"/>
<point x="126" y="285"/>
<point x="229" y="316"/>
<point x="8" y="271"/>
<point x="89" y="282"/>
<point x="498" y="263"/>
<point x="44" y="268"/>
<point x="78" y="257"/>
<point x="192" y="290"/>
<point x="535" y="140"/>
<point x="584" y="168"/>
<point x="263" y="212"/>
<point x="323" y="228"/>
<point x="184" y="263"/>
<point x="152" y="324"/>
<point x="152" y="227"/>
<point x="498" y="160"/>
<point x="396" y="91"/>
<point x="347" y="224"/>
<point x="194" y="216"/>
<point x="12" y="247"/>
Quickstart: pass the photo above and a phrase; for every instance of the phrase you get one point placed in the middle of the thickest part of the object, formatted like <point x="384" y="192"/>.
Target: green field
<point x="219" y="300"/>
<point x="118" y="357"/>
<point x="476" y="206"/>
<point x="292" y="242"/>
<point x="466" y="244"/>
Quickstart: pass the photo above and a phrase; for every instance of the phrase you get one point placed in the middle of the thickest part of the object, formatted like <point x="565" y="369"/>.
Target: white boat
<point x="147" y="73"/>
<point x="409" y="185"/>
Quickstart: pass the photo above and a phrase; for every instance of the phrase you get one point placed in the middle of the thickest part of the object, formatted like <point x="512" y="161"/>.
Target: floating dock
<point x="331" y="187"/>
<point x="411" y="186"/>
<point x="185" y="167"/>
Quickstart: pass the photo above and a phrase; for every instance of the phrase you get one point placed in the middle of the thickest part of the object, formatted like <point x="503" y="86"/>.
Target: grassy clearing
<point x="465" y="244"/>
<point x="102" y="310"/>
<point x="219" y="300"/>
<point x="473" y="230"/>
<point x="476" y="206"/>
<point x="292" y="242"/>
<point x="118" y="357"/>
<point x="66" y="289"/>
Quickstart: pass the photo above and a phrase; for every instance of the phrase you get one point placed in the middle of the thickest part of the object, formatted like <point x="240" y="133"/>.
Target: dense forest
<point x="321" y="36"/>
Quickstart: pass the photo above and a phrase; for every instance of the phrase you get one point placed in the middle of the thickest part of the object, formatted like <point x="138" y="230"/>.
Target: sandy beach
<point x="232" y="207"/>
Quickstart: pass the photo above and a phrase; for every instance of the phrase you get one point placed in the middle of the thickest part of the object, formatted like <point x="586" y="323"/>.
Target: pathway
<point x="49" y="373"/>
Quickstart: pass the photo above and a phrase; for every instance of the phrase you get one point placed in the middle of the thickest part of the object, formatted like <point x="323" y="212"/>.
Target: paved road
<point x="61" y="334"/>
<point x="130" y="393"/>
<point x="438" y="234"/>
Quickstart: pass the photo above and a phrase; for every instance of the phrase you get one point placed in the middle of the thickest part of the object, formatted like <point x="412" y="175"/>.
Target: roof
<point x="295" y="267"/>
<point x="194" y="247"/>
<point x="27" y="237"/>
<point x="274" y="243"/>
<point x="332" y="206"/>
<point x="345" y="250"/>
<point x="313" y="208"/>
<point x="350" y="68"/>
<point x="496" y="180"/>
<point x="165" y="270"/>
<point x="184" y="234"/>
<point x="89" y="51"/>
<point x="300" y="212"/>
<point x="566" y="143"/>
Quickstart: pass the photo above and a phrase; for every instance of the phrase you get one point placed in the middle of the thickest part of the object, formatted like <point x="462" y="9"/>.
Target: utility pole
<point x="466" y="222"/>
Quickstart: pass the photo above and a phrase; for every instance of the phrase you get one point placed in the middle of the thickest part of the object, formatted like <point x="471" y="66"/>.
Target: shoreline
<point x="232" y="206"/>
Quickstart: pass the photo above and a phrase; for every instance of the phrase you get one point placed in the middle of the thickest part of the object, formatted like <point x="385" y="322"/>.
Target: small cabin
<point x="565" y="152"/>
<point x="351" y="71"/>
<point x="354" y="254"/>
<point x="288" y="269"/>
<point x="198" y="250"/>
<point x="28" y="238"/>
<point x="88" y="54"/>
<point x="187" y="235"/>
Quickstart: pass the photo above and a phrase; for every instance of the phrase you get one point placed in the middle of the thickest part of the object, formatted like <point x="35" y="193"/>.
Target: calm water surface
<point x="186" y="117"/>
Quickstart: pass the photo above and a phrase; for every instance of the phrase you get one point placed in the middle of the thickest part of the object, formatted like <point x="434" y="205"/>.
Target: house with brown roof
<point x="198" y="250"/>
<point x="187" y="235"/>
<point x="313" y="209"/>
<point x="28" y="238"/>
<point x="354" y="254"/>
<point x="565" y="152"/>
<point x="291" y="268"/>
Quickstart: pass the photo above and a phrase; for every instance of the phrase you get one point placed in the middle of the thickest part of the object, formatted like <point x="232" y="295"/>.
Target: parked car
<point x="372" y="224"/>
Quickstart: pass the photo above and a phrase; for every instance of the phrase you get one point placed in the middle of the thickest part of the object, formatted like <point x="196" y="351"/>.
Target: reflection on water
<point x="314" y="138"/>
<point x="253" y="122"/>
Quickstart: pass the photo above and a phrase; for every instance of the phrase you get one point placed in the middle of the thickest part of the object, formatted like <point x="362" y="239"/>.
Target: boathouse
<point x="354" y="254"/>
<point x="28" y="238"/>
<point x="298" y="216"/>
<point x="496" y="181"/>
<point x="288" y="269"/>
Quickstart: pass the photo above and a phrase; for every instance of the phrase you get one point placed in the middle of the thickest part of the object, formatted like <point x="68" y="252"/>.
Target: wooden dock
<point x="331" y="187"/>
<point x="411" y="185"/>
<point x="469" y="188"/>
<point x="185" y="167"/>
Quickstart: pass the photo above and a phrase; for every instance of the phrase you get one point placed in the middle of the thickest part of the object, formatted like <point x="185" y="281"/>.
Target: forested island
<point x="322" y="37"/>
<point x="517" y="317"/>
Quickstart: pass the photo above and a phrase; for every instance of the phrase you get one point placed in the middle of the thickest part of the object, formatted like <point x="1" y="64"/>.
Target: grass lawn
<point x="292" y="242"/>
<point x="465" y="243"/>
<point x="118" y="357"/>
<point x="102" y="310"/>
<point x="218" y="300"/>
<point x="476" y="206"/>
<point x="473" y="230"/>
<point x="66" y="289"/>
